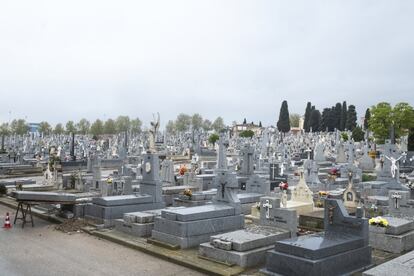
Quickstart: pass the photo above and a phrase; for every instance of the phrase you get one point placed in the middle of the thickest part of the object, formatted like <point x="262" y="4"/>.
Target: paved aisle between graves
<point x="42" y="250"/>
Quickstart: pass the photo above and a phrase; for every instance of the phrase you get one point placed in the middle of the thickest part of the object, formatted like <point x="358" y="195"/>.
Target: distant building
<point x="296" y="130"/>
<point x="238" y="128"/>
<point x="34" y="127"/>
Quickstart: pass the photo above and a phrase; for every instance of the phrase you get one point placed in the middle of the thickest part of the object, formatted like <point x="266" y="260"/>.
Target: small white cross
<point x="268" y="206"/>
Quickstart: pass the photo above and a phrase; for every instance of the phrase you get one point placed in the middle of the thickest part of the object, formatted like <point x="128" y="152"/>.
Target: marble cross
<point x="268" y="206"/>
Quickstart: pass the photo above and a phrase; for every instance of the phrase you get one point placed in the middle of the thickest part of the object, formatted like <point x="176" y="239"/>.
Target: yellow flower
<point x="378" y="221"/>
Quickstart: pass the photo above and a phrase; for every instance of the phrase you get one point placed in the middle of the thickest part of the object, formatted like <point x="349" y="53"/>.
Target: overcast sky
<point x="65" y="60"/>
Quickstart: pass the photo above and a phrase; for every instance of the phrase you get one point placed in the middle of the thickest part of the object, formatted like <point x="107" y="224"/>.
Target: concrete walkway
<point x="44" y="251"/>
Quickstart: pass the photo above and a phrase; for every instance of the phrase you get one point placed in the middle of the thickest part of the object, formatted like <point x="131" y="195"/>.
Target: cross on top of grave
<point x="267" y="206"/>
<point x="396" y="199"/>
<point x="247" y="159"/>
<point x="222" y="158"/>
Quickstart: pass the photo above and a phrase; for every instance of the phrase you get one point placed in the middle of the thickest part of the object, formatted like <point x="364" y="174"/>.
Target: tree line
<point x="96" y="128"/>
<point x="338" y="117"/>
<point x="195" y="122"/>
<point x="378" y="120"/>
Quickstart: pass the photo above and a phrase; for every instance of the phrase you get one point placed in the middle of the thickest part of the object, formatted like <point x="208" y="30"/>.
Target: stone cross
<point x="351" y="149"/>
<point x="268" y="206"/>
<point x="222" y="161"/>
<point x="247" y="155"/>
<point x="396" y="197"/>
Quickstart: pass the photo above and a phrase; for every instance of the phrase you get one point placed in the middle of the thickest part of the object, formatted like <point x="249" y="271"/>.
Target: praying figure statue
<point x="394" y="166"/>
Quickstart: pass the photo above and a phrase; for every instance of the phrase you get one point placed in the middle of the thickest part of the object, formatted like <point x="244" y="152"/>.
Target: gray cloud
<point x="63" y="61"/>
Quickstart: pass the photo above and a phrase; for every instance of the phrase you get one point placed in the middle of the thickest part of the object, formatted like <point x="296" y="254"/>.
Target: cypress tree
<point x="343" y="116"/>
<point x="307" y="117"/>
<point x="244" y="121"/>
<point x="351" y="118"/>
<point x="315" y="120"/>
<point x="338" y="113"/>
<point x="325" y="119"/>
<point x="366" y="119"/>
<point x="283" y="124"/>
<point x="331" y="119"/>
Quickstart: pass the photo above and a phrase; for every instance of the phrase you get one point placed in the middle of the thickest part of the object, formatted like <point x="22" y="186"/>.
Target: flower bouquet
<point x="378" y="221"/>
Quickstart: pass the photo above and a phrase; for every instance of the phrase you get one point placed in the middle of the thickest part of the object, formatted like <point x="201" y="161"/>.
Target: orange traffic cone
<point x="7" y="224"/>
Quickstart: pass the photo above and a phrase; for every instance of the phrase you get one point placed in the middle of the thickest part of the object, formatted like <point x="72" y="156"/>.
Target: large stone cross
<point x="268" y="206"/>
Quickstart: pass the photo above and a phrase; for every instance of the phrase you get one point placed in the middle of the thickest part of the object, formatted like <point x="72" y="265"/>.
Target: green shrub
<point x="213" y="138"/>
<point x="247" y="133"/>
<point x="368" y="177"/>
<point x="3" y="189"/>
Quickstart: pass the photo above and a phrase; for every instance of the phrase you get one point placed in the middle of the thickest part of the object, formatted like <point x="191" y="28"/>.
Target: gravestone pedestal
<point x="342" y="249"/>
<point x="107" y="209"/>
<point x="245" y="248"/>
<point x="397" y="237"/>
<point x="192" y="226"/>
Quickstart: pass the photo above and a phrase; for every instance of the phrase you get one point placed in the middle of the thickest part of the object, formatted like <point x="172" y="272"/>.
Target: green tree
<point x="58" y="129"/>
<point x="294" y="119"/>
<point x="170" y="127"/>
<point x="136" y="125"/>
<point x="110" y="127"/>
<point x="246" y="133"/>
<point x="358" y="134"/>
<point x="70" y="127"/>
<point x="338" y="114"/>
<point x="351" y="120"/>
<point x="19" y="127"/>
<point x="218" y="124"/>
<point x="260" y="123"/>
<point x="366" y="119"/>
<point x="344" y="136"/>
<point x="244" y="121"/>
<point x="381" y="121"/>
<point x="207" y="125"/>
<point x="97" y="128"/>
<point x="411" y="139"/>
<point x="213" y="138"/>
<point x="383" y="117"/>
<point x="308" y="112"/>
<point x="45" y="128"/>
<point x="5" y="129"/>
<point x="122" y="124"/>
<point x="183" y="122"/>
<point x="403" y="118"/>
<point x="283" y="124"/>
<point x="343" y="116"/>
<point x="315" y="120"/>
<point x="83" y="126"/>
<point x="325" y="119"/>
<point x="196" y="121"/>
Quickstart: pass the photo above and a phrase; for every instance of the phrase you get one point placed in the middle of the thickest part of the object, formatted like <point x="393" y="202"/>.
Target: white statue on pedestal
<point x="394" y="166"/>
<point x="153" y="132"/>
